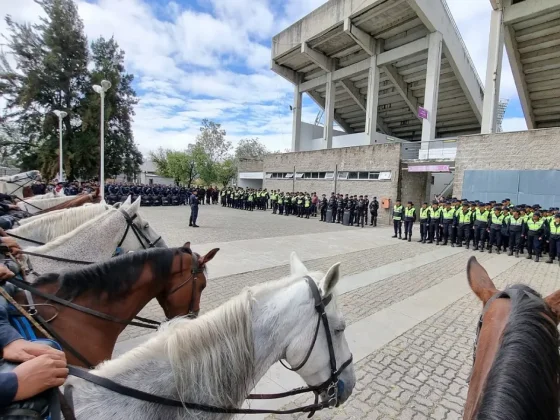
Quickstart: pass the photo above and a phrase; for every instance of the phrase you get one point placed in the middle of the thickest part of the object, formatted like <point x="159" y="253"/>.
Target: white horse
<point x="35" y="206"/>
<point x="52" y="225"/>
<point x="36" y="217"/>
<point x="96" y="240"/>
<point x="218" y="358"/>
<point x="51" y="194"/>
<point x="13" y="185"/>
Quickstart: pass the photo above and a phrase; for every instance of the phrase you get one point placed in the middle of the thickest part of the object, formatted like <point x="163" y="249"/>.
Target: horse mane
<point x="43" y="249"/>
<point x="71" y="201"/>
<point x="112" y="278"/>
<point x="527" y="365"/>
<point x="48" y="202"/>
<point x="53" y="225"/>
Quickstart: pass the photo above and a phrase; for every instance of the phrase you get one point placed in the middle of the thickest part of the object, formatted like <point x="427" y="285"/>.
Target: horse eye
<point x="339" y="330"/>
<point x="146" y="226"/>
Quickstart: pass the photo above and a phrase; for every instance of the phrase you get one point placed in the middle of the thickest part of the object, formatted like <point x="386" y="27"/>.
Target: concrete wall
<point x="385" y="157"/>
<point x="340" y="140"/>
<point x="535" y="149"/>
<point x="250" y="165"/>
<point x="250" y="183"/>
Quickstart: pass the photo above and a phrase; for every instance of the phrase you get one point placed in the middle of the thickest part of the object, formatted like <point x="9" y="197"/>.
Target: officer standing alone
<point x="194" y="209"/>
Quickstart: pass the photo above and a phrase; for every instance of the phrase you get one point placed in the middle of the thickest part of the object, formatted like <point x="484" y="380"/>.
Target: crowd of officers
<point x="305" y="205"/>
<point x="159" y="195"/>
<point x="490" y="226"/>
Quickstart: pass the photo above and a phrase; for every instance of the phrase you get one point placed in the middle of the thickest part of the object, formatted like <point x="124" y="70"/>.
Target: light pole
<point x="60" y="115"/>
<point x="105" y="85"/>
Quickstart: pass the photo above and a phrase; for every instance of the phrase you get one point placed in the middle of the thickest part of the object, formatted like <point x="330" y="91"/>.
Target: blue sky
<point x="196" y="59"/>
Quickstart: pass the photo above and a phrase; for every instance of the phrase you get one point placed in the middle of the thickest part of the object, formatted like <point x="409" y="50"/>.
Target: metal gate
<point x="526" y="187"/>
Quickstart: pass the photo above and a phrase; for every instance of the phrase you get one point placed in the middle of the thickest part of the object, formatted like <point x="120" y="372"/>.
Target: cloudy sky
<point x="196" y="59"/>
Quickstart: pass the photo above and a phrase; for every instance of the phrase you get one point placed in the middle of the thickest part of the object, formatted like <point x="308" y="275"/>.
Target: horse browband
<point x="330" y="384"/>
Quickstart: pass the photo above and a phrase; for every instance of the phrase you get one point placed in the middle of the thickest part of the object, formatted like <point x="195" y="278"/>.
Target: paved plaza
<point x="411" y="315"/>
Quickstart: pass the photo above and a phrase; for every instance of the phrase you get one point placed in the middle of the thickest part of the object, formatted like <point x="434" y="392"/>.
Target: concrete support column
<point x="329" y="111"/>
<point x="432" y="88"/>
<point x="296" y="124"/>
<point x="493" y="73"/>
<point x="372" y="99"/>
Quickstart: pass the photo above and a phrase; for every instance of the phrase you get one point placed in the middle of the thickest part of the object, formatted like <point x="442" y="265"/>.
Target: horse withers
<point x="218" y="358"/>
<point x="516" y="367"/>
<point x="119" y="288"/>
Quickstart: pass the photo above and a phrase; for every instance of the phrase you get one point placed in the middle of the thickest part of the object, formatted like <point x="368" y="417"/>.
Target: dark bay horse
<point x="516" y="367"/>
<point x="119" y="288"/>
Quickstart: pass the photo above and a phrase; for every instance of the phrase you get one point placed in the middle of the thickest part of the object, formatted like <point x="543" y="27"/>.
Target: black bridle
<point x="330" y="385"/>
<point x="142" y="238"/>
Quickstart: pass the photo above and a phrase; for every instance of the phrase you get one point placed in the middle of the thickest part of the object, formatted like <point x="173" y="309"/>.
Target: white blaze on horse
<point x="218" y="358"/>
<point x="42" y="229"/>
<point x="97" y="240"/>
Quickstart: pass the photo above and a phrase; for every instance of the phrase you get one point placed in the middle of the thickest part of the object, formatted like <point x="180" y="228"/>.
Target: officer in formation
<point x="151" y="195"/>
<point x="495" y="227"/>
<point x="245" y="198"/>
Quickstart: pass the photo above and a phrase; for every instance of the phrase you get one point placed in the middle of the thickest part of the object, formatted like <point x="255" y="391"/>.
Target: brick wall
<point x="413" y="187"/>
<point x="534" y="149"/>
<point x="383" y="157"/>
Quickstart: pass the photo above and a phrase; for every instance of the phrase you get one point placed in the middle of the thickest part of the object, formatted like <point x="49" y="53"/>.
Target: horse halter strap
<point x="331" y="384"/>
<point x="195" y="270"/>
<point x="137" y="232"/>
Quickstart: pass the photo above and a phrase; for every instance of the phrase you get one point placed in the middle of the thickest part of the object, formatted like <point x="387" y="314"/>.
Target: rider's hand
<point x="39" y="374"/>
<point x="5" y="273"/>
<point x="23" y="350"/>
<point x="12" y="244"/>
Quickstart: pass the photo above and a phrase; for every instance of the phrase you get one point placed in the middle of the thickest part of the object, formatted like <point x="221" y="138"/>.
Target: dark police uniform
<point x="409" y="219"/>
<point x="194" y="211"/>
<point x="515" y="226"/>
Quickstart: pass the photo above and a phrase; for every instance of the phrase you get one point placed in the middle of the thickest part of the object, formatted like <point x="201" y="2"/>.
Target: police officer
<point x="366" y="209"/>
<point x="397" y="216"/>
<point x="340" y="208"/>
<point x="359" y="211"/>
<point x="424" y="222"/>
<point x="323" y="204"/>
<point x="307" y="205"/>
<point x="194" y="209"/>
<point x="373" y="208"/>
<point x="504" y="231"/>
<point x="350" y="206"/>
<point x="534" y="232"/>
<point x="516" y="226"/>
<point x="409" y="219"/>
<point x="553" y="238"/>
<point x="435" y="221"/>
<point x="332" y="207"/>
<point x="464" y="220"/>
<point x="481" y="217"/>
<point x="448" y="220"/>
<point x="495" y="229"/>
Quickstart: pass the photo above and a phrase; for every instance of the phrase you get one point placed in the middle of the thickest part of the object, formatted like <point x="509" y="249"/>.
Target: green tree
<point x="121" y="153"/>
<point x="206" y="168"/>
<point x="179" y="165"/>
<point x="212" y="140"/>
<point x="52" y="59"/>
<point x="225" y="172"/>
<point x="250" y="148"/>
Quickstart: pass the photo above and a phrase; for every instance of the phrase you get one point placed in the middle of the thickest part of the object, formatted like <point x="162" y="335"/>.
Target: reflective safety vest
<point x="280" y="200"/>
<point x="554" y="228"/>
<point x="397" y="212"/>
<point x="516" y="222"/>
<point x="424" y="213"/>
<point x="299" y="201"/>
<point x="482" y="216"/>
<point x="464" y="218"/>
<point x="436" y="214"/>
<point x="497" y="220"/>
<point x="448" y="214"/>
<point x="307" y="201"/>
<point x="534" y="226"/>
<point x="409" y="213"/>
<point x="250" y="198"/>
<point x="273" y="197"/>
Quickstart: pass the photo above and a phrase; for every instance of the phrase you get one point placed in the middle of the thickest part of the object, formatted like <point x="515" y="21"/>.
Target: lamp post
<point x="105" y="85"/>
<point x="60" y="115"/>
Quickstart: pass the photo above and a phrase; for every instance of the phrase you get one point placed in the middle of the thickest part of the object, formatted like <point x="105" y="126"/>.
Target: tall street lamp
<point x="60" y="115"/>
<point x="105" y="85"/>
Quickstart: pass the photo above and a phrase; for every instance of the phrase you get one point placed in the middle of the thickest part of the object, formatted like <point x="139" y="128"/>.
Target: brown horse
<point x="80" y="200"/>
<point x="516" y="367"/>
<point x="118" y="288"/>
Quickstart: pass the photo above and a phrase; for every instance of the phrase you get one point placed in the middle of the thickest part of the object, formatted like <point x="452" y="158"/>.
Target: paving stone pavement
<point x="219" y="224"/>
<point x="423" y="373"/>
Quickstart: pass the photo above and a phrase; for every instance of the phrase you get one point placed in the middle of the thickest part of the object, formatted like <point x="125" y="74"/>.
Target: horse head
<point x="182" y="293"/>
<point x="312" y="357"/>
<point x="139" y="231"/>
<point x="516" y="363"/>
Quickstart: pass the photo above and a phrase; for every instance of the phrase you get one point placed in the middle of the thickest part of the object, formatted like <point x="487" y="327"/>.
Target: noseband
<point x="331" y="384"/>
<point x="143" y="239"/>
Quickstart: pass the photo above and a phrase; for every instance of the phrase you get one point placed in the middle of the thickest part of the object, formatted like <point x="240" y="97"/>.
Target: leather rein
<point x="330" y="385"/>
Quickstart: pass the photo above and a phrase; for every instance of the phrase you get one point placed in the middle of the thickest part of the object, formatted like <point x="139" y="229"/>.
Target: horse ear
<point x="128" y="201"/>
<point x="133" y="208"/>
<point x="330" y="280"/>
<point x="480" y="281"/>
<point x="553" y="301"/>
<point x="117" y="205"/>
<point x="209" y="256"/>
<point x="296" y="266"/>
